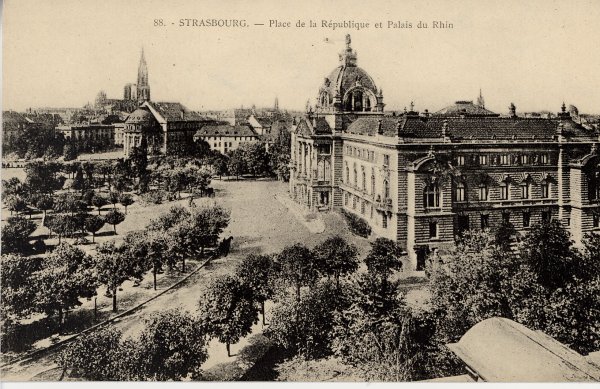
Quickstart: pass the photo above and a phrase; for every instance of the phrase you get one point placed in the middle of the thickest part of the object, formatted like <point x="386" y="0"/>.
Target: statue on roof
<point x="348" y="40"/>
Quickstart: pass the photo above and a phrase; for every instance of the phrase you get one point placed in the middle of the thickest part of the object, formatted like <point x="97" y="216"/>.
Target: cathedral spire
<point x="143" y="88"/>
<point x="480" y="100"/>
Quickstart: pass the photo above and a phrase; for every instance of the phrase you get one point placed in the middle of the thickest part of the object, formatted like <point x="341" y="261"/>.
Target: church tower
<point x="143" y="89"/>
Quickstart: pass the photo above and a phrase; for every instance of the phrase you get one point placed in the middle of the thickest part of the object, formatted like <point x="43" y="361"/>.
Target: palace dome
<point x="351" y="85"/>
<point x="139" y="116"/>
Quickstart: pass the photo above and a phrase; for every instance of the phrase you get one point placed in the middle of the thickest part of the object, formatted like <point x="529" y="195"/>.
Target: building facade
<point x="160" y="127"/>
<point x="421" y="178"/>
<point x="101" y="133"/>
<point x="225" y="137"/>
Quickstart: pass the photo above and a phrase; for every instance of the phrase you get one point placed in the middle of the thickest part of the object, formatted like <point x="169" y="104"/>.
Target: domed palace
<point x="160" y="128"/>
<point x="423" y="178"/>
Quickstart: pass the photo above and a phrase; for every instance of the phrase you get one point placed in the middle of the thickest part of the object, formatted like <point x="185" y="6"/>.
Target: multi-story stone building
<point x="421" y="179"/>
<point x="226" y="137"/>
<point x="162" y="127"/>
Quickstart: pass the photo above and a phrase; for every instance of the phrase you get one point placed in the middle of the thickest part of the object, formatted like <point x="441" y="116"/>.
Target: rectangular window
<point x="460" y="160"/>
<point x="483" y="193"/>
<point x="525" y="191"/>
<point x="483" y="159"/>
<point x="386" y="160"/>
<point x="433" y="230"/>
<point x="546" y="216"/>
<point x="505" y="217"/>
<point x="596" y="220"/>
<point x="384" y="221"/>
<point x="346" y="199"/>
<point x="504" y="160"/>
<point x="362" y="207"/>
<point x="545" y="190"/>
<point x="460" y="193"/>
<point x="524" y="159"/>
<point x="526" y="219"/>
<point x="544" y="159"/>
<point x="504" y="191"/>
<point x="485" y="221"/>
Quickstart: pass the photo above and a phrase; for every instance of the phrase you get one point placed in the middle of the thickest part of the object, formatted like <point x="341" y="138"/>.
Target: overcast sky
<point x="536" y="53"/>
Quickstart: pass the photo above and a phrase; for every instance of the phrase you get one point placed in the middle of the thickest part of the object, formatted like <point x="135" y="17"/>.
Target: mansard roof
<point x="226" y="130"/>
<point x="470" y="128"/>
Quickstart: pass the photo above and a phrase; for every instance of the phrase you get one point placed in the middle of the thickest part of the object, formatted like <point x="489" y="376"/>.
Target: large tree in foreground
<point x="258" y="273"/>
<point x="227" y="309"/>
<point x="67" y="275"/>
<point x="114" y="267"/>
<point x="298" y="266"/>
<point x="335" y="257"/>
<point x="173" y="344"/>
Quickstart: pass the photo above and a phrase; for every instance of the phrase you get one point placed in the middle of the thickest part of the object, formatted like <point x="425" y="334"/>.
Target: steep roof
<point x="173" y="112"/>
<point x="315" y="126"/>
<point x="468" y="128"/>
<point x="226" y="130"/>
<point x="501" y="350"/>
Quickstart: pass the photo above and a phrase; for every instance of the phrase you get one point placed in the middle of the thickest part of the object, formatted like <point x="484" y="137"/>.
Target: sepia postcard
<point x="314" y="191"/>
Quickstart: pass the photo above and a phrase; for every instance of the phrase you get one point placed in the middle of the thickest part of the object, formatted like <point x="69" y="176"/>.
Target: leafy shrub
<point x="358" y="226"/>
<point x="153" y="197"/>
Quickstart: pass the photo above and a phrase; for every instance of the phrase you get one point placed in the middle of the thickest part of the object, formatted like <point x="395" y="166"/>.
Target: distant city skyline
<point x="535" y="55"/>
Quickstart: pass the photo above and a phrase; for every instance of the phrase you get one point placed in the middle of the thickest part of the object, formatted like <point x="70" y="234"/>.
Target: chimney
<point x="445" y="134"/>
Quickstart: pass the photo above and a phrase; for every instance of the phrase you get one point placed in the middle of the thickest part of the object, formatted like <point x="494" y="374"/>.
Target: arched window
<point x="355" y="176"/>
<point x="431" y="196"/>
<point x="327" y="170"/>
<point x="545" y="187"/>
<point x="347" y="174"/>
<point x="372" y="181"/>
<point x="364" y="180"/>
<point x="593" y="181"/>
<point x="321" y="170"/>
<point x="386" y="189"/>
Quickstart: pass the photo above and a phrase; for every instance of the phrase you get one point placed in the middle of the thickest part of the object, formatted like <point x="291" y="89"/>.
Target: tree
<point x="69" y="152"/>
<point x="335" y="257"/>
<point x="255" y="157"/>
<point x="383" y="257"/>
<point x="257" y="272"/>
<point x="235" y="164"/>
<point x="15" y="235"/>
<point x="93" y="224"/>
<point x="207" y="223"/>
<point x="96" y="356"/>
<point x="44" y="203"/>
<point x="298" y="266"/>
<point x="126" y="200"/>
<point x="13" y="186"/>
<point x="113" y="198"/>
<point x="549" y="251"/>
<point x="305" y="326"/>
<point x="99" y="201"/>
<point x="41" y="176"/>
<point x="67" y="275"/>
<point x="156" y="245"/>
<point x="15" y="204"/>
<point x="18" y="289"/>
<point x="173" y="344"/>
<point x="114" y="217"/>
<point x="227" y="309"/>
<point x="114" y="268"/>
